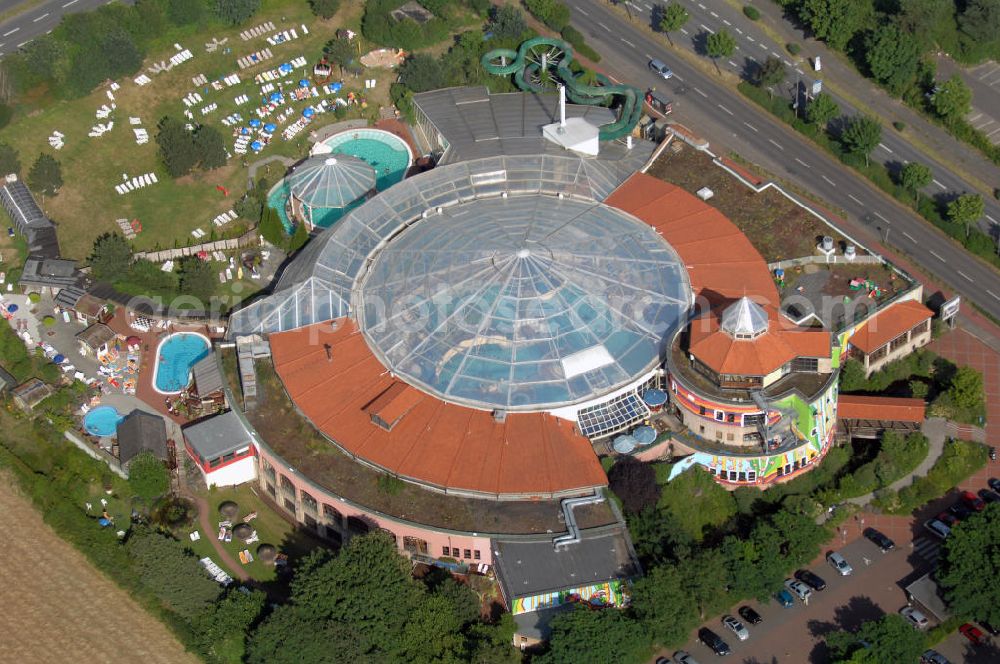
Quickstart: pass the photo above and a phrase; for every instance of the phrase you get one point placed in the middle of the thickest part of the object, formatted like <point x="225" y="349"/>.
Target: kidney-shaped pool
<point x="175" y="356"/>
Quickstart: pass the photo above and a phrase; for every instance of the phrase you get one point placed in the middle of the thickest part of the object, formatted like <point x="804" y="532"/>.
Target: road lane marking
<point x="802" y="162"/>
<point x="909" y="237"/>
<point x="885" y="147"/>
<point x="707" y="29"/>
<point x="750" y="38"/>
<point x="800" y="72"/>
<point x="698" y="90"/>
<point x="10" y="32"/>
<point x="685" y="31"/>
<point x="628" y="42"/>
<point x="987" y="216"/>
<point x="725" y="109"/>
<point x="73" y="2"/>
<point x="649" y="56"/>
<point x="714" y="15"/>
<point x="852" y="197"/>
<point x="604" y="26"/>
<point x="881" y="217"/>
<point x="26" y="41"/>
<point x="975" y="117"/>
<point x="726" y="22"/>
<point x="36" y="20"/>
<point x="582" y="11"/>
<point x="733" y="64"/>
<point x="752" y="128"/>
<point x="738" y="30"/>
<point x="964" y="276"/>
<point x="829" y="180"/>
<point x="762" y="45"/>
<point x="993" y="295"/>
<point x="776" y="144"/>
<point x="938" y="183"/>
<point x="776" y="54"/>
<point x="937" y="256"/>
<point x="678" y="78"/>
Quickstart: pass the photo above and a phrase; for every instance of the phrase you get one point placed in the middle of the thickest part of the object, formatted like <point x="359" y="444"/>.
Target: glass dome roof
<point x="329" y="181"/>
<point x="523" y="303"/>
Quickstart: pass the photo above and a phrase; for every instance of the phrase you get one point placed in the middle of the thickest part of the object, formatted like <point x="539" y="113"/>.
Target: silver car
<point x="737" y="627"/>
<point x="914" y="617"/>
<point x="683" y="657"/>
<point x="799" y="589"/>
<point x="839" y="563"/>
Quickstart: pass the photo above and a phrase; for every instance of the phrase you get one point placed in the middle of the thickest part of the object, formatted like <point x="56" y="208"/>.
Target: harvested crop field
<point x="57" y="607"/>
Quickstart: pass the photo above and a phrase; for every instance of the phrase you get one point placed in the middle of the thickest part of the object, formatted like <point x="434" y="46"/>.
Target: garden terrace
<point x="284" y="430"/>
<point x="778" y="228"/>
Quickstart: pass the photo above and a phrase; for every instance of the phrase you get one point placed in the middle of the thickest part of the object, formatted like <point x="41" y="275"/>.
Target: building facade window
<point x="287" y="486"/>
<point x="270" y="489"/>
<point x="445" y="550"/>
<point x="333" y="515"/>
<point x="414" y="545"/>
<point x="475" y="554"/>
<point x="805" y="365"/>
<point x="468" y="554"/>
<point x="308" y="502"/>
<point x="290" y="505"/>
<point x="454" y="552"/>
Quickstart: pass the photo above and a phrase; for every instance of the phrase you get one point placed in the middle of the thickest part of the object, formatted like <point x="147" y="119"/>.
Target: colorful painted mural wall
<point x="610" y="593"/>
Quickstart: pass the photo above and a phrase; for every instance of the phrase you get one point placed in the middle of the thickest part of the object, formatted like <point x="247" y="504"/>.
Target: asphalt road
<point x="754" y="46"/>
<point x="731" y="122"/>
<point x="21" y="29"/>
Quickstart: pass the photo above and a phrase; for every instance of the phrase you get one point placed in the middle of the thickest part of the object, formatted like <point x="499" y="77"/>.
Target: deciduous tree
<point x="324" y="8"/>
<point x="769" y="73"/>
<point x="720" y="44"/>
<point x="861" y="135"/>
<point x="148" y="477"/>
<point x="836" y="21"/>
<point x="634" y="482"/>
<point x="111" y="257"/>
<point x="235" y="12"/>
<point x="664" y="605"/>
<point x="507" y="22"/>
<point x="892" y="55"/>
<point x="970" y="557"/>
<point x="822" y="109"/>
<point x="674" y="17"/>
<point x="914" y="176"/>
<point x="966" y="210"/>
<point x="196" y="278"/>
<point x="887" y="640"/>
<point x="604" y="636"/>
<point x="45" y="175"/>
<point x="981" y="19"/>
<point x="171" y="572"/>
<point x="951" y="100"/>
<point x="422" y="72"/>
<point x="9" y="161"/>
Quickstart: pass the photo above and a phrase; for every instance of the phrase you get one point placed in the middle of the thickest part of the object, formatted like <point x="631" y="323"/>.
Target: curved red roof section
<point x="337" y="382"/>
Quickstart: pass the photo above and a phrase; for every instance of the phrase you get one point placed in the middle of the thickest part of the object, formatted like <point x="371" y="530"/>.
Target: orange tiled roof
<point x="433" y="441"/>
<point x="888" y="324"/>
<point x="722" y="263"/>
<point x="723" y="266"/>
<point x="857" y="407"/>
<point x="754" y="357"/>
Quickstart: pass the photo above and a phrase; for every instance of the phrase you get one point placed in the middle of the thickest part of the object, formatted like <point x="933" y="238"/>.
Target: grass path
<point x="57" y="607"/>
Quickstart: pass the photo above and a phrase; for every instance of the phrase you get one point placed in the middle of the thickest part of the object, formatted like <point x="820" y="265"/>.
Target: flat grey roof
<point x="217" y="435"/>
<point x="141" y="431"/>
<point x="478" y="124"/>
<point x="527" y="568"/>
<point x="53" y="272"/>
<point x="925" y="591"/>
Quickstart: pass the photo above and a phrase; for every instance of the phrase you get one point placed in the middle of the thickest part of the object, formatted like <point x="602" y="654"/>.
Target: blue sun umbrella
<point x="244" y="131"/>
<point x="254" y="122"/>
<point x="59" y="359"/>
<point x="270" y="127"/>
<point x="308" y="112"/>
<point x="276" y="97"/>
<point x="285" y="68"/>
<point x="336" y="87"/>
<point x="303" y="83"/>
<point x="12" y="308"/>
<point x="256" y="146"/>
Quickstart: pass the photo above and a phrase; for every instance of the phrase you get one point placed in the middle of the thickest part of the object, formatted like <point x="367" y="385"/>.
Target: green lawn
<point x="88" y="205"/>
<point x="271" y="527"/>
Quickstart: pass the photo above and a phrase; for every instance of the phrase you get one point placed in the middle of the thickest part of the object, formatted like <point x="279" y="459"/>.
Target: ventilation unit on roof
<point x="500" y="415"/>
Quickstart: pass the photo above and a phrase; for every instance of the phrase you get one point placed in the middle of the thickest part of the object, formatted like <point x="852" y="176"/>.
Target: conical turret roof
<point x="331" y="181"/>
<point x="744" y="319"/>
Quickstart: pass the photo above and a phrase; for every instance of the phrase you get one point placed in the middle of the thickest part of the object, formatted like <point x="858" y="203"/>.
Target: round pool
<point x="175" y="356"/>
<point x="388" y="154"/>
<point x="102" y="421"/>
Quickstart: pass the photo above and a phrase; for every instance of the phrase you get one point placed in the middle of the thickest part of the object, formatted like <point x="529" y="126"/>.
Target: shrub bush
<point x="958" y="461"/>
<point x="899" y="126"/>
<point x="634" y="482"/>
<point x="793" y="48"/>
<point x="552" y="13"/>
<point x="751" y="12"/>
<point x="34" y="298"/>
<point x="579" y="44"/>
<point x="377" y="25"/>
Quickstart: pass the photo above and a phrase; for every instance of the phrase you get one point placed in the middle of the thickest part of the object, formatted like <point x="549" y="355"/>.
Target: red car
<point x="973" y="634"/>
<point x="947" y="519"/>
<point x="972" y="501"/>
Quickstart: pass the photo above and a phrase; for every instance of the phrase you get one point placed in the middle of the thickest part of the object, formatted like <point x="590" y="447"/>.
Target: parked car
<point x="932" y="656"/>
<point x="664" y="660"/>
<point x="683" y="657"/>
<point x="948" y="519"/>
<point x="973" y="634"/>
<point x="799" y="589"/>
<point x="988" y="627"/>
<point x="914" y="617"/>
<point x="937" y="528"/>
<point x="989" y="496"/>
<point x="661" y="68"/>
<point x="839" y="563"/>
<point x="994" y="484"/>
<point x="880" y="540"/>
<point x="784" y="598"/>
<point x="741" y="632"/>
<point x="811" y="579"/>
<point x="751" y="616"/>
<point x="713" y="641"/>
<point x="972" y="501"/>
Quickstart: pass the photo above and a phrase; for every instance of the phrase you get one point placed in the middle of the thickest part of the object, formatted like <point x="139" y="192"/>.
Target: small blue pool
<point x="102" y="421"/>
<point x="175" y="356"/>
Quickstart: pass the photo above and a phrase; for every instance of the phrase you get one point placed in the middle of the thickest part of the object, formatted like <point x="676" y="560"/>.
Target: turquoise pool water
<point x="176" y="355"/>
<point x="386" y="153"/>
<point x="102" y="421"/>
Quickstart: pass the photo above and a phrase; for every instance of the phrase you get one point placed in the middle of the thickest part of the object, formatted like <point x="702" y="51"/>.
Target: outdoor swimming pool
<point x="175" y="356"/>
<point x="388" y="154"/>
<point x="102" y="421"/>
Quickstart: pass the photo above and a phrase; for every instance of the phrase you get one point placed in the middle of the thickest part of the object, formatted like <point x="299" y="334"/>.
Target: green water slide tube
<point x="539" y="63"/>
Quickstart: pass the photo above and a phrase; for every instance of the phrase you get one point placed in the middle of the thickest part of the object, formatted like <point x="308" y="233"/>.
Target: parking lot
<point x="797" y="634"/>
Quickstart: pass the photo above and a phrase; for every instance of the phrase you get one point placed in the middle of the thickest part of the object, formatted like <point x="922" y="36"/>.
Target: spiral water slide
<point x="538" y="63"/>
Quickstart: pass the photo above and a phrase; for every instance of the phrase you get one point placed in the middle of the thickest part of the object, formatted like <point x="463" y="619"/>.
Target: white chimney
<point x="562" y="105"/>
